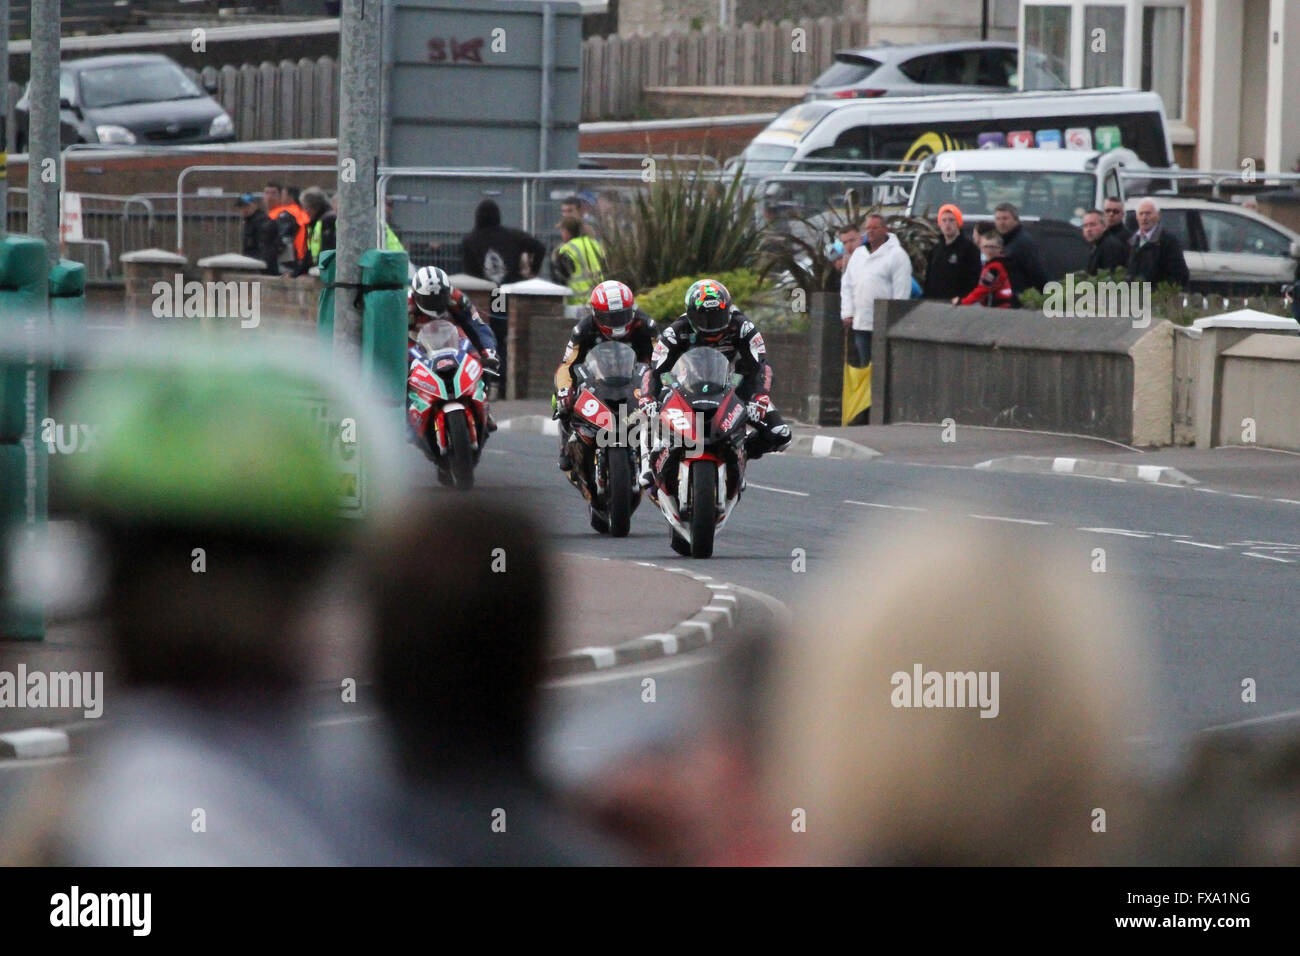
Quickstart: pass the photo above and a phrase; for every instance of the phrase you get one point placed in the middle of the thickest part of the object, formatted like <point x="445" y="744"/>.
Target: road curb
<point x="530" y="425"/>
<point x="34" y="742"/>
<point x="727" y="608"/>
<point x="1120" y="471"/>
<point x="825" y="446"/>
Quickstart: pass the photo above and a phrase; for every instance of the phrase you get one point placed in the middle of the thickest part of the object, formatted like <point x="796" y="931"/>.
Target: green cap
<point x="237" y="449"/>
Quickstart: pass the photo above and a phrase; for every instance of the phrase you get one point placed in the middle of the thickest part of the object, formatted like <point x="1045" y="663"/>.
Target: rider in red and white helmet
<point x="612" y="316"/>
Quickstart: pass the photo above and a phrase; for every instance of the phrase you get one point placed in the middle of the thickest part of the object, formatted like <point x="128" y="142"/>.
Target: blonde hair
<point x="881" y="783"/>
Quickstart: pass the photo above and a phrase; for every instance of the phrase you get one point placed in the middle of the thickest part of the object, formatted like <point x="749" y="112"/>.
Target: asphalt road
<point x="1212" y="577"/>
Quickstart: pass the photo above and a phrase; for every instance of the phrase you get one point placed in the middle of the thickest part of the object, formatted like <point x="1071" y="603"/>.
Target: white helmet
<point x="431" y="290"/>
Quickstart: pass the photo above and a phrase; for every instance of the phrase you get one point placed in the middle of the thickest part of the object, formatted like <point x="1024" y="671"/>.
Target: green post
<point x="67" y="307"/>
<point x="325" y="308"/>
<point x="24" y="394"/>
<point x="383" y="323"/>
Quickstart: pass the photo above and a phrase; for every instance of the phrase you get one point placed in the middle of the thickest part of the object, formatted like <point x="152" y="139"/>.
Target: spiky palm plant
<point x="685" y="223"/>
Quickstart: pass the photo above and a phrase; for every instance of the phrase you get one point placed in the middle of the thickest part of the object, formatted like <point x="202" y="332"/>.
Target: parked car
<point x="921" y="69"/>
<point x="130" y="98"/>
<point x="1229" y="249"/>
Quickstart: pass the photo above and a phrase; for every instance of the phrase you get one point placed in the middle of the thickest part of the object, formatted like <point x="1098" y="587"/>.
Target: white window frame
<point x="1134" y="15"/>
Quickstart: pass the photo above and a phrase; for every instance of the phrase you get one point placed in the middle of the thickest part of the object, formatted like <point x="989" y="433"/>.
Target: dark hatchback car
<point x="129" y="99"/>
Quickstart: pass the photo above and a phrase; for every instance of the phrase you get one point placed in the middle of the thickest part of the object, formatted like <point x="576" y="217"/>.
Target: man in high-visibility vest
<point x="391" y="242"/>
<point x="321" y="234"/>
<point x="579" y="262"/>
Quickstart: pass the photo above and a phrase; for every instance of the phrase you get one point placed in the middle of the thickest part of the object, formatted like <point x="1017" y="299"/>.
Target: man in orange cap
<point x="954" y="265"/>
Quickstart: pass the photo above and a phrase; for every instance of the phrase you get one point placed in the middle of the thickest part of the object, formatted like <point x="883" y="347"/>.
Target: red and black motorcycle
<point x="604" y="445"/>
<point x="698" y="465"/>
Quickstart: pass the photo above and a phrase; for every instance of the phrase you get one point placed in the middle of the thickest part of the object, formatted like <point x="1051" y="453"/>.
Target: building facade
<point x="1227" y="70"/>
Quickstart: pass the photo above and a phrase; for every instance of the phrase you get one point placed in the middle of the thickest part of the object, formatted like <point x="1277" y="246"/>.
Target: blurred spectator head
<point x="1148" y="214"/>
<point x="570" y="208"/>
<point x="1006" y="216"/>
<point x="990" y="243"/>
<point x="247" y="204"/>
<point x="949" y="221"/>
<point x="272" y="192"/>
<point x="487" y="215"/>
<point x="1007" y="745"/>
<point x="1094" y="224"/>
<point x="314" y="201"/>
<point x="1114" y="211"/>
<point x="851" y="237"/>
<point x="334" y="200"/>
<point x="460" y="644"/>
<point x="217" y="499"/>
<point x="875" y="230"/>
<point x="292" y="194"/>
<point x="570" y="228"/>
<point x="1237" y="805"/>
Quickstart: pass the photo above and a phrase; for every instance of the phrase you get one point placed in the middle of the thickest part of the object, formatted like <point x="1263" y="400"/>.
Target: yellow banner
<point x="857" y="393"/>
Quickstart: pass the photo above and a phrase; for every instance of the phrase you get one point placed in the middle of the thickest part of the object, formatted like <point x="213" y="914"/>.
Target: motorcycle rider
<point x="612" y="316"/>
<point x="711" y="320"/>
<point x="433" y="297"/>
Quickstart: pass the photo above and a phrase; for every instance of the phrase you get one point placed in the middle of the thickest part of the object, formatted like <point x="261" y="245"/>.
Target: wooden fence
<point x="615" y="69"/>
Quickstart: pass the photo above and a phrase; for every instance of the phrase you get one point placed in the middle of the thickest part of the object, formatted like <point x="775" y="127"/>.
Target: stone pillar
<point x="825" y="359"/>
<point x="144" y="269"/>
<point x="532" y="306"/>
<point x="1282" y="140"/>
<point x="1219" y="333"/>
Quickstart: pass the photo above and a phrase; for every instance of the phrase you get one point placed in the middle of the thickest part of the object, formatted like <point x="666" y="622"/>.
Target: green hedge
<point x="666" y="302"/>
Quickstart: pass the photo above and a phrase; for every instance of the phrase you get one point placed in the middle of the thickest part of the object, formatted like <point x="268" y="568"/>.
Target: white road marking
<point x="1266" y="557"/>
<point x="779" y="491"/>
<point x="1285" y="715"/>
<point x="1201" y="544"/>
<point x="874" y="504"/>
<point x="1209" y="491"/>
<point x="1251" y="497"/>
<point x="1011" y="520"/>
<point x="1063" y="466"/>
<point x="550" y="427"/>
<point x="335" y="721"/>
<point x="669" y="642"/>
<point x="1121" y="531"/>
<point x="1286" y="501"/>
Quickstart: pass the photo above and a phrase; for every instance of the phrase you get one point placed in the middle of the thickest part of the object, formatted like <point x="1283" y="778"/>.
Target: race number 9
<point x="590" y="407"/>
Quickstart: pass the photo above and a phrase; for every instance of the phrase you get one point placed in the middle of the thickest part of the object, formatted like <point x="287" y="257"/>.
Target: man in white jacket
<point x="878" y="269"/>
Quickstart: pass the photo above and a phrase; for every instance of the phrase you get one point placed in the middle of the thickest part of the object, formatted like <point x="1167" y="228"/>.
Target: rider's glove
<point x="491" y="363"/>
<point x="759" y="407"/>
<point x="562" y="397"/>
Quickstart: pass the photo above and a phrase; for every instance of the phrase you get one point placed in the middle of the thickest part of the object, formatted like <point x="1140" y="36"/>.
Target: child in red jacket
<point x="994" y="289"/>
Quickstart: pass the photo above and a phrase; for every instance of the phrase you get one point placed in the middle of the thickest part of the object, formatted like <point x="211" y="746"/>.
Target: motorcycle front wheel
<point x="704" y="507"/>
<point x="618" y="491"/>
<point x="460" y="456"/>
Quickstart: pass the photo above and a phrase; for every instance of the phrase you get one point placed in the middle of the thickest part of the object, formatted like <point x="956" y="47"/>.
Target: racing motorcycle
<point x="605" y="414"/>
<point x="698" y="466"/>
<point x="447" y="402"/>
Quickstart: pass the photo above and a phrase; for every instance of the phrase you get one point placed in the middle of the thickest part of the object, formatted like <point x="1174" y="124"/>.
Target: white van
<point x="872" y="135"/>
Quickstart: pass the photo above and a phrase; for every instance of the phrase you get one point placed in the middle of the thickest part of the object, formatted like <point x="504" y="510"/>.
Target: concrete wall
<point x="1261" y="382"/>
<point x="1021" y="369"/>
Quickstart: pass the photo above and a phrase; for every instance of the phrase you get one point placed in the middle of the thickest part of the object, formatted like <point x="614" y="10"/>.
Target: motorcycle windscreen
<point x="612" y="363"/>
<point x="437" y="336"/>
<point x="703" y="373"/>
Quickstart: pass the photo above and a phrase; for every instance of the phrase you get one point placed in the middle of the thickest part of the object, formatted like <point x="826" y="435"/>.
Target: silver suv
<point x="978" y="66"/>
<point x="1229" y="249"/>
